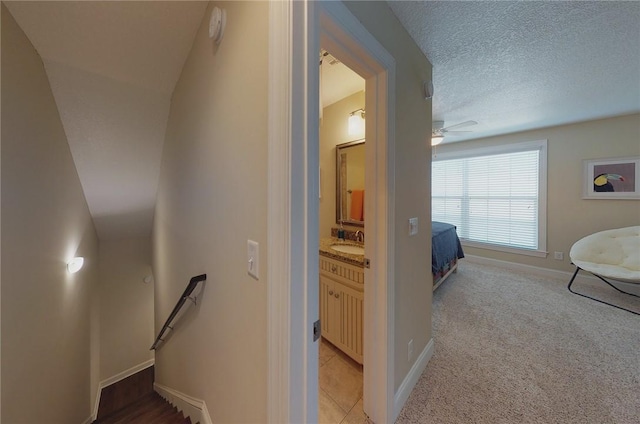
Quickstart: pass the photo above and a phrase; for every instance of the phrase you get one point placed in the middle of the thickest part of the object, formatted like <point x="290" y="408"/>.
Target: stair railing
<point x="185" y="296"/>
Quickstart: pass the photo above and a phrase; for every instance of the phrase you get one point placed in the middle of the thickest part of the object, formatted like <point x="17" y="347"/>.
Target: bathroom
<point x="342" y="236"/>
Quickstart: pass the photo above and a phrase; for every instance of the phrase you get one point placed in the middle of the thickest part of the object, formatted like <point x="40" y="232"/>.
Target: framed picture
<point x="616" y="178"/>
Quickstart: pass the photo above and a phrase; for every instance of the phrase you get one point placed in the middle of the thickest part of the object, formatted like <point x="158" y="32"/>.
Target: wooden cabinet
<point x="341" y="305"/>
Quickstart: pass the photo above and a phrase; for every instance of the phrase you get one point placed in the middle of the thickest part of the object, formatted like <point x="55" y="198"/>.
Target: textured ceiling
<point x="112" y="67"/>
<point x="514" y="65"/>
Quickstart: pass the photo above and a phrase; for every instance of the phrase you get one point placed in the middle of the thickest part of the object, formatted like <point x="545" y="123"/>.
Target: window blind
<point x="491" y="198"/>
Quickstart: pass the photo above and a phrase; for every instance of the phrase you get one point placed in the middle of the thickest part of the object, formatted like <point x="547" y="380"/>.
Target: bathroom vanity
<point x="342" y="295"/>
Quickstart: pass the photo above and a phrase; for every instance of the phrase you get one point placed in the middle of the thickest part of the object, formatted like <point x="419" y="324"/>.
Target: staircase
<point x="150" y="409"/>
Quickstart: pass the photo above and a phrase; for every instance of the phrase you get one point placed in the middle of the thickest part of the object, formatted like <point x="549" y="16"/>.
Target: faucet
<point x="359" y="236"/>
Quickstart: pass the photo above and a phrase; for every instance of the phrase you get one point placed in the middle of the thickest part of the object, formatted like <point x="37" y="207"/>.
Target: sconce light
<point x="436" y="139"/>
<point x="356" y="122"/>
<point x="75" y="264"/>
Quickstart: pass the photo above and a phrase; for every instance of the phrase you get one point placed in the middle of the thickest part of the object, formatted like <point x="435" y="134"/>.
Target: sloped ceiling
<point x="112" y="67"/>
<point x="517" y="65"/>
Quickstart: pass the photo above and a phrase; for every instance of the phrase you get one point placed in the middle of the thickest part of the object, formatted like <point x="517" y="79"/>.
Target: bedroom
<point x="520" y="72"/>
<point x="569" y="216"/>
<point x="527" y="349"/>
<point x="523" y="87"/>
<point x="530" y="69"/>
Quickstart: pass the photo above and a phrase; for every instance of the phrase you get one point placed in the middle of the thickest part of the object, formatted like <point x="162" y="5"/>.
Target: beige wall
<point x="46" y="312"/>
<point x="212" y="198"/>
<point x="569" y="217"/>
<point x="333" y="131"/>
<point x="2" y="9"/>
<point x="126" y="305"/>
<point x="413" y="280"/>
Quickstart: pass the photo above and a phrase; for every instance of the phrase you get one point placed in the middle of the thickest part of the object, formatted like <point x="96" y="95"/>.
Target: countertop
<point x="326" y="250"/>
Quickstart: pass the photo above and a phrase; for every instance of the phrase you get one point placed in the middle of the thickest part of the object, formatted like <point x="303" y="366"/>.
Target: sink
<point x="348" y="248"/>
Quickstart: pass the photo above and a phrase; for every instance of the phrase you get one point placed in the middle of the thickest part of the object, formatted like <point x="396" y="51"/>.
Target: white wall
<point x="413" y="280"/>
<point x="569" y="217"/>
<point x="333" y="131"/>
<point x="126" y="305"/>
<point x="48" y="360"/>
<point x="212" y="198"/>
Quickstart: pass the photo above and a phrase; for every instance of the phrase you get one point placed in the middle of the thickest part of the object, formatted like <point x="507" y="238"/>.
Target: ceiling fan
<point x="439" y="130"/>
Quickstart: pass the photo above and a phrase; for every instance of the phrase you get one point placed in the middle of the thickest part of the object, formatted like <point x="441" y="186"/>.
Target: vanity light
<point x="75" y="264"/>
<point x="436" y="139"/>
<point x="356" y="122"/>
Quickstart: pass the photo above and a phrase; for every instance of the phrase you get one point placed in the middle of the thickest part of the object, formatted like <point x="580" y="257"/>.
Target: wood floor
<point x="150" y="409"/>
<point x="125" y="392"/>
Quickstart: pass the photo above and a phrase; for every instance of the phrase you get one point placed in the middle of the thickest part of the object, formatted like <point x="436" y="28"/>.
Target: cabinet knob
<point x="337" y="295"/>
<point x="330" y="292"/>
<point x="334" y="268"/>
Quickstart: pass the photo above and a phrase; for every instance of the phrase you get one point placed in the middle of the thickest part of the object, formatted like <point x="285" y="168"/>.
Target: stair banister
<point x="185" y="295"/>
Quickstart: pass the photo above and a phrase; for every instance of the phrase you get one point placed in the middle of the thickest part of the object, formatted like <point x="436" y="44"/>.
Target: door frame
<point x="296" y="31"/>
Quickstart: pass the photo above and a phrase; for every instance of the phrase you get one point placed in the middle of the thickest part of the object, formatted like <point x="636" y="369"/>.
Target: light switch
<point x="413" y="226"/>
<point x="253" y="258"/>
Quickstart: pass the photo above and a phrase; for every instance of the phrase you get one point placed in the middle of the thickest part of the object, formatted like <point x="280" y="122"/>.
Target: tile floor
<point x="340" y="392"/>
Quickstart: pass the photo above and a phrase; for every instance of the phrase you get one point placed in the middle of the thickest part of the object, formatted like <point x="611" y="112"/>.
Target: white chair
<point x="610" y="254"/>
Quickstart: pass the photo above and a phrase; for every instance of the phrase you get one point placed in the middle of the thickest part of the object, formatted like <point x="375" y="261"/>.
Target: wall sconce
<point x="75" y="264"/>
<point x="356" y="122"/>
<point x="436" y="139"/>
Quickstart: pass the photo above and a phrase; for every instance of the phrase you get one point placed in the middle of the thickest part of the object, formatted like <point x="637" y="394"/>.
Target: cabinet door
<point x="351" y="317"/>
<point x="329" y="311"/>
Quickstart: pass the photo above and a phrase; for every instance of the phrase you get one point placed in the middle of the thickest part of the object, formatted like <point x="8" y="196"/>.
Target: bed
<point x="445" y="251"/>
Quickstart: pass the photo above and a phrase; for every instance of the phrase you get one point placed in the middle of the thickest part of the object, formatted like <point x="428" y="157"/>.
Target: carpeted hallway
<point x="512" y="347"/>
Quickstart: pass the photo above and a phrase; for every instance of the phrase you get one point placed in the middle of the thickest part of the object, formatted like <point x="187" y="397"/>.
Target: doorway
<point x="300" y="28"/>
<point x="341" y="226"/>
<point x="345" y="37"/>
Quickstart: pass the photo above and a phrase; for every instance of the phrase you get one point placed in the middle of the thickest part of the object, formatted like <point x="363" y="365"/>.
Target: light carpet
<point x="512" y="347"/>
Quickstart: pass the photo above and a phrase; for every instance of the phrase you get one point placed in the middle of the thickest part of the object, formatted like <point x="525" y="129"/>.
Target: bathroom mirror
<point x="350" y="183"/>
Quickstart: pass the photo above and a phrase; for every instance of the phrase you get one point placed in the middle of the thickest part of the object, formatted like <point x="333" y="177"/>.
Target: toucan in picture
<point x="601" y="182"/>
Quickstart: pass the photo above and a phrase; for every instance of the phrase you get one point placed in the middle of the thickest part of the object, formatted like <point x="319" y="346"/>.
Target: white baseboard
<point x="193" y="408"/>
<point x="127" y="373"/>
<point x="546" y="272"/>
<point x="114" y="379"/>
<point x="411" y="379"/>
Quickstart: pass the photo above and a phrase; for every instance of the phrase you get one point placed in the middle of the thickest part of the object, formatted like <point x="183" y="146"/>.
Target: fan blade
<point x="456" y="132"/>
<point x="460" y="125"/>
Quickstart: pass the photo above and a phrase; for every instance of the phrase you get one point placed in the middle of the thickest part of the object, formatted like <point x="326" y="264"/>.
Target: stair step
<point x="151" y="409"/>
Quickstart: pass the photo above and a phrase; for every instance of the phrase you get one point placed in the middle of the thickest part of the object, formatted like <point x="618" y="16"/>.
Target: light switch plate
<point x="413" y="226"/>
<point x="253" y="257"/>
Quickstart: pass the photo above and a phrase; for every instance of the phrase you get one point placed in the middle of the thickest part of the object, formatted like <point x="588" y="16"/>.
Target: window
<point x="496" y="197"/>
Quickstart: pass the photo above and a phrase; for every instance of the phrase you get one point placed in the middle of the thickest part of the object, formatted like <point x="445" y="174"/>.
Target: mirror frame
<point x="339" y="149"/>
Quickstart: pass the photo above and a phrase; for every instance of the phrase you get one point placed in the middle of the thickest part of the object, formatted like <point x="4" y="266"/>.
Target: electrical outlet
<point x="410" y="350"/>
<point x="558" y="256"/>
